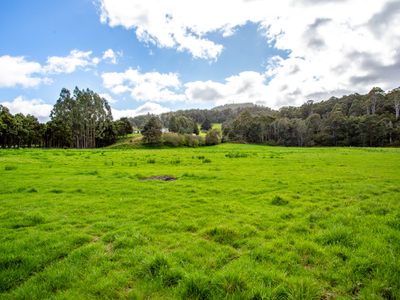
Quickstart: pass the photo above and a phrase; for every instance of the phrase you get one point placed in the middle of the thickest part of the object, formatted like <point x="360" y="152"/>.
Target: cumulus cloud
<point x="17" y="71"/>
<point x="69" y="64"/>
<point x="321" y="37"/>
<point x="111" y="56"/>
<point x="148" y="107"/>
<point x="245" y="87"/>
<point x="150" y="86"/>
<point x="35" y="107"/>
<point x="108" y="97"/>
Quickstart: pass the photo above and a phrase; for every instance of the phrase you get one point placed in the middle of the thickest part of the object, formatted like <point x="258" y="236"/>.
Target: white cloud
<point x="68" y="64"/>
<point x="111" y="56"/>
<point x="334" y="47"/>
<point x="245" y="87"/>
<point x="108" y="97"/>
<point x="35" y="107"/>
<point x="150" y="86"/>
<point x="148" y="107"/>
<point x="18" y="71"/>
<point x="156" y="87"/>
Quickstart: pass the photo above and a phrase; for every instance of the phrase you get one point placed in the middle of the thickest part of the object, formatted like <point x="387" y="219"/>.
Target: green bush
<point x="194" y="140"/>
<point x="173" y="139"/>
<point x="213" y="137"/>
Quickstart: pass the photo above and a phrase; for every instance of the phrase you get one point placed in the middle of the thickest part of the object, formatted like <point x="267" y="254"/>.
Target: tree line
<point x="79" y="120"/>
<point x="354" y="120"/>
<point x="83" y="119"/>
<point x="371" y="120"/>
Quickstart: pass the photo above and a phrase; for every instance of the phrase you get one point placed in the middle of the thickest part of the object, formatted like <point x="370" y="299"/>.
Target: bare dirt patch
<point x="160" y="177"/>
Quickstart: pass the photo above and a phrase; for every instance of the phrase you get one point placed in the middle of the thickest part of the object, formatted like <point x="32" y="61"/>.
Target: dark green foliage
<point x="123" y="127"/>
<point x="183" y="125"/>
<point x="206" y="125"/>
<point x="354" y="120"/>
<point x="85" y="118"/>
<point x="19" y="130"/>
<point x="152" y="131"/>
<point x="81" y="120"/>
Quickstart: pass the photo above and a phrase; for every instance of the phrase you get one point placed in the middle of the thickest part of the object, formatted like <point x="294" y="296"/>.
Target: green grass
<point x="240" y="222"/>
<point x="214" y="126"/>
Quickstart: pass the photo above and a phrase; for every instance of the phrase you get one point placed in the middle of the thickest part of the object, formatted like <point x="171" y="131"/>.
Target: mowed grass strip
<point x="240" y="222"/>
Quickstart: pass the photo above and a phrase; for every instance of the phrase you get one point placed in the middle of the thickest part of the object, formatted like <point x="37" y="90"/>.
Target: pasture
<point x="240" y="222"/>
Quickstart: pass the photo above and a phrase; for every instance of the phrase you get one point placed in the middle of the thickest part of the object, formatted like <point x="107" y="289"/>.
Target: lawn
<point x="240" y="222"/>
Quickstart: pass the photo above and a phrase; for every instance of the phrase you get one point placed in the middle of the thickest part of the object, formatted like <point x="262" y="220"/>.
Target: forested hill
<point x="83" y="119"/>
<point x="352" y="120"/>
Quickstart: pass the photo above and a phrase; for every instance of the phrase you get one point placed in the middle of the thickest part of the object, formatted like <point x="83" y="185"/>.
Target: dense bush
<point x="181" y="140"/>
<point x="213" y="137"/>
<point x="173" y="139"/>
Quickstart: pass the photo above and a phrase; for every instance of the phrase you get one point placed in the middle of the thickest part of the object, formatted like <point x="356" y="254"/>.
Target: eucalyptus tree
<point x="7" y="128"/>
<point x="85" y="116"/>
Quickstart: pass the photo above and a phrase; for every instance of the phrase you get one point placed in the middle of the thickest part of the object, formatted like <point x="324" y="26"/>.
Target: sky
<point x="163" y="55"/>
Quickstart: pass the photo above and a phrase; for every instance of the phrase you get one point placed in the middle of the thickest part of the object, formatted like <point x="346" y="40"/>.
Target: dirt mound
<point x="159" y="177"/>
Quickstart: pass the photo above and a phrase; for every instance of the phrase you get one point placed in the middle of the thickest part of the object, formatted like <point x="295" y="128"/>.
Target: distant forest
<point x="83" y="119"/>
<point x="352" y="120"/>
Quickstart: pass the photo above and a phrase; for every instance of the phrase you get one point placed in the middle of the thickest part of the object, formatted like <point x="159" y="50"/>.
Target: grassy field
<point x="240" y="222"/>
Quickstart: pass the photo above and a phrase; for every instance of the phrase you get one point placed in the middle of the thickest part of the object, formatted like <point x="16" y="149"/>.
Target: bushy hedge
<point x="213" y="137"/>
<point x="182" y="140"/>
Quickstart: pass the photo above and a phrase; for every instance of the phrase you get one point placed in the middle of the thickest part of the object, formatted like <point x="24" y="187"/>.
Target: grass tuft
<point x="279" y="201"/>
<point x="197" y="287"/>
<point x="10" y="168"/>
<point x="223" y="235"/>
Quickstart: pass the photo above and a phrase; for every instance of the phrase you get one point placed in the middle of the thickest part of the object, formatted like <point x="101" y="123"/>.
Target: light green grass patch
<point x="240" y="222"/>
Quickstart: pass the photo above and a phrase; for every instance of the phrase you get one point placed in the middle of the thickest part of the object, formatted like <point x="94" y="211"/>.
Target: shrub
<point x="194" y="140"/>
<point x="173" y="139"/>
<point x="213" y="137"/>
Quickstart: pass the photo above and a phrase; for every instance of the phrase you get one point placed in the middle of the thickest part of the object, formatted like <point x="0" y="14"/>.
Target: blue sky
<point x="172" y="54"/>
